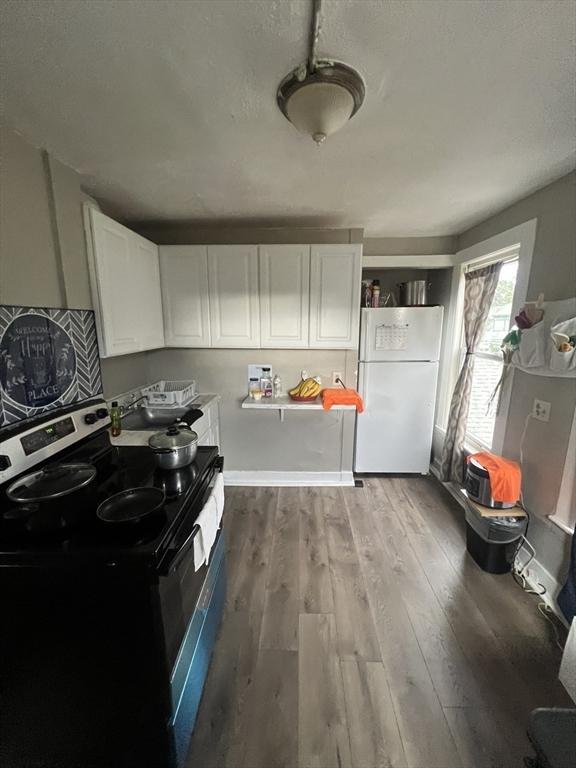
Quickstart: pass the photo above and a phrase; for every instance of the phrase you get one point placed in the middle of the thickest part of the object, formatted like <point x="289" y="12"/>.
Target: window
<point x="488" y="359"/>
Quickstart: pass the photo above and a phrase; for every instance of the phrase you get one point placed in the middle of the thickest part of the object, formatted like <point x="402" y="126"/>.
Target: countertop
<point x="141" y="436"/>
<point x="285" y="403"/>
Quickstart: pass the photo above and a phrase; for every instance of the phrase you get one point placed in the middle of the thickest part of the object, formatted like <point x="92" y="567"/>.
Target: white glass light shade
<point x="320" y="109"/>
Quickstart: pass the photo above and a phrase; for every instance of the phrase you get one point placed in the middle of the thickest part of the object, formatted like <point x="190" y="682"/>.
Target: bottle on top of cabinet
<point x="376" y="293"/>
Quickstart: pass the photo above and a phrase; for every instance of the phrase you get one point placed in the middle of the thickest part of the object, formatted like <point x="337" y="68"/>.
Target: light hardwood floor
<point x="359" y="634"/>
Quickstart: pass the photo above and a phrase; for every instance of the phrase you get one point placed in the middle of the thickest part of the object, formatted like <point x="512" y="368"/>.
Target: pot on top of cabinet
<point x="413" y="293"/>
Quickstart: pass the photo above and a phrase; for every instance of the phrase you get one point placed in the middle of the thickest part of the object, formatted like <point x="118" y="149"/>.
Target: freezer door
<point x="394" y="433"/>
<point x="401" y="333"/>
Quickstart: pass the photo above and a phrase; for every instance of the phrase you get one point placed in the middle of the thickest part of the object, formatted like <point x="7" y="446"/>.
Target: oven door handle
<point x="174" y="557"/>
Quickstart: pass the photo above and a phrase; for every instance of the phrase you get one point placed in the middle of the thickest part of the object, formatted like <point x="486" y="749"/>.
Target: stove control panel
<point x="25" y="450"/>
<point x="43" y="436"/>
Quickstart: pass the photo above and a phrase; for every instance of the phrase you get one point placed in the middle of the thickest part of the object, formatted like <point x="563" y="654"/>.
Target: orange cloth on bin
<point x="505" y="476"/>
<point x="340" y="396"/>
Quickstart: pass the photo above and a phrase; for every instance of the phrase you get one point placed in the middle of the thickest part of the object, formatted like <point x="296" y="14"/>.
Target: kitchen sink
<point x="149" y="418"/>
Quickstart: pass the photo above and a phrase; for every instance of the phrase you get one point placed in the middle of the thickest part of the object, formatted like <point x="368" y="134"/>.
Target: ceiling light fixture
<point x="321" y="95"/>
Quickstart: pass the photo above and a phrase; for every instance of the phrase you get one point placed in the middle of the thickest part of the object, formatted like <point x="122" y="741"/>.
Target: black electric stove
<point x="68" y="529"/>
<point x="107" y="628"/>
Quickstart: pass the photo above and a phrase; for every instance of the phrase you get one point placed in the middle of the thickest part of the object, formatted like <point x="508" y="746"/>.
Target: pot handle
<point x="190" y="417"/>
<point x="162" y="450"/>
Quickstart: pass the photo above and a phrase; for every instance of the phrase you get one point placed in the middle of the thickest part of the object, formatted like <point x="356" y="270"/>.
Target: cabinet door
<point x="335" y="276"/>
<point x="184" y="277"/>
<point x="284" y="295"/>
<point x="125" y="283"/>
<point x="233" y="283"/>
<point x="146" y="276"/>
<point x="114" y="293"/>
<point x="210" y="437"/>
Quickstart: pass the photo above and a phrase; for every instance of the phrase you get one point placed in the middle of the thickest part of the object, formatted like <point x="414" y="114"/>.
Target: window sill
<point x="562" y="524"/>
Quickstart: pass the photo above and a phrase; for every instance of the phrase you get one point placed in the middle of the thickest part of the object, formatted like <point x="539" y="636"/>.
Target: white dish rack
<point x="170" y="393"/>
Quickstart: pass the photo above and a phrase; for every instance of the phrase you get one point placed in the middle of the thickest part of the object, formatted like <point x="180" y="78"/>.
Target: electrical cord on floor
<point x="550" y="617"/>
<point x="518" y="571"/>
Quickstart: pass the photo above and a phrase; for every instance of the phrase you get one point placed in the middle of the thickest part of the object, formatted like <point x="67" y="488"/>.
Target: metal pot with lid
<point x="413" y="293"/>
<point x="175" y="447"/>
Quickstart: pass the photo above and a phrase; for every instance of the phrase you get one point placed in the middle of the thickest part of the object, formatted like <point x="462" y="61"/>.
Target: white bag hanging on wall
<point x="560" y="332"/>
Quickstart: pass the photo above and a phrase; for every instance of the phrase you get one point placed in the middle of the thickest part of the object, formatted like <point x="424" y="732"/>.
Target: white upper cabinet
<point x="112" y="288"/>
<point x="234" y="305"/>
<point x="146" y="278"/>
<point x="284" y="295"/>
<point x="335" y="276"/>
<point x="184" y="275"/>
<point x="242" y="296"/>
<point x="125" y="283"/>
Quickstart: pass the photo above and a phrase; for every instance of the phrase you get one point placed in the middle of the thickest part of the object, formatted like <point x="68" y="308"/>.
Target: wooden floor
<point x="359" y="633"/>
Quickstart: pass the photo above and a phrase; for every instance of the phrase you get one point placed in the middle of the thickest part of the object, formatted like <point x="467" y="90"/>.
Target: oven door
<point x="179" y="584"/>
<point x="191" y="667"/>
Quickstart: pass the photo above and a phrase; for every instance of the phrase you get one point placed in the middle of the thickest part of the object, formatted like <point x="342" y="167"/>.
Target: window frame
<point x="565" y="513"/>
<point x="517" y="240"/>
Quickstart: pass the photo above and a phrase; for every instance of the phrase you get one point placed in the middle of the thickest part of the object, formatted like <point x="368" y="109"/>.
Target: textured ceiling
<point x="167" y="108"/>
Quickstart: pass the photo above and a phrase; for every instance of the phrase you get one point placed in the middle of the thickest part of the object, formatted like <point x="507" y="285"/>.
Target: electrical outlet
<point x="335" y="376"/>
<point x="541" y="410"/>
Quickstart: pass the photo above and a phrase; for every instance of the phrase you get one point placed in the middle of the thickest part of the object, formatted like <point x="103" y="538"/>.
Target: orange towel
<point x="341" y="396"/>
<point x="505" y="476"/>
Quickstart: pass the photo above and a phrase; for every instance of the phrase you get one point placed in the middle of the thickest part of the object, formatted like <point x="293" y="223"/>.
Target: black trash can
<point x="492" y="541"/>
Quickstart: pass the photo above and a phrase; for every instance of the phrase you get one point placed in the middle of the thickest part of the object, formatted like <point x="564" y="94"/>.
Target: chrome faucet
<point x="124" y="409"/>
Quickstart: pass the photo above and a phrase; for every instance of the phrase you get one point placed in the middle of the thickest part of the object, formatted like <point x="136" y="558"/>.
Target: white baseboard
<point x="234" y="477"/>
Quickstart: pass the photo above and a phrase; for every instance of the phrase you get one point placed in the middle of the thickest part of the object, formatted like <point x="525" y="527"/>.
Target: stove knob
<point x="90" y="418"/>
<point x="101" y="413"/>
<point x="5" y="463"/>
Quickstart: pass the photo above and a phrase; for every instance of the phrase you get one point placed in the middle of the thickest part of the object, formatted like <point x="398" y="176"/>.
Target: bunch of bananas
<point x="307" y="388"/>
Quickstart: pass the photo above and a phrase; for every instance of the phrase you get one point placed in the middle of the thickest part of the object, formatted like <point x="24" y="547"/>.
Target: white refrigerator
<point x="397" y="376"/>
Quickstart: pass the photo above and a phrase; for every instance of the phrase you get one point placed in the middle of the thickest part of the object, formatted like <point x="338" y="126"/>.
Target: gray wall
<point x="304" y="442"/>
<point x="440" y="285"/>
<point x="29" y="272"/>
<point x="189" y="233"/>
<point x="42" y="247"/>
<point x="409" y="246"/>
<point x="553" y="273"/>
<point x="121" y="374"/>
